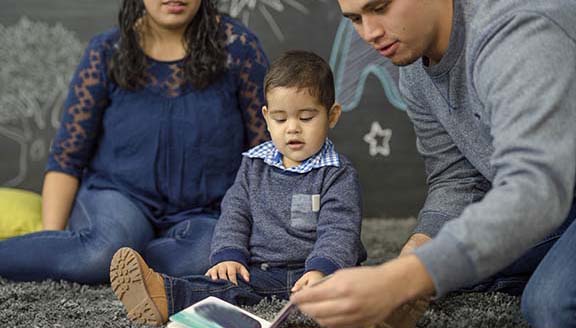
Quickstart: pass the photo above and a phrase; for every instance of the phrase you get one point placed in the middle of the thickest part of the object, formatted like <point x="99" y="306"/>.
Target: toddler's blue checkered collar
<point x="327" y="156"/>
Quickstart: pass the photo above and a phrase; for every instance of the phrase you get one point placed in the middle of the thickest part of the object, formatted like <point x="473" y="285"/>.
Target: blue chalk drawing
<point x="352" y="61"/>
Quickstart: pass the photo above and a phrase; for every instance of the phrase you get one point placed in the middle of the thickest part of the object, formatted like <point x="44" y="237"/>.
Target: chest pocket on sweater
<point x="304" y="211"/>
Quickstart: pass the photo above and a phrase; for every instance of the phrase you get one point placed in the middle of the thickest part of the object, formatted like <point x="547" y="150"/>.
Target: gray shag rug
<point x="63" y="304"/>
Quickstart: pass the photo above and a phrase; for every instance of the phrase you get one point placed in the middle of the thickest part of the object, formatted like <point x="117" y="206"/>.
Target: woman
<point x="158" y="113"/>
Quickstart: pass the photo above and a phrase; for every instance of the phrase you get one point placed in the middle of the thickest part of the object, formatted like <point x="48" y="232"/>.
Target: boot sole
<point x="127" y="282"/>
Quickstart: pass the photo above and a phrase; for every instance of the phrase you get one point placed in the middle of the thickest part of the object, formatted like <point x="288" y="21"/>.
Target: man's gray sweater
<point x="495" y="122"/>
<point x="281" y="218"/>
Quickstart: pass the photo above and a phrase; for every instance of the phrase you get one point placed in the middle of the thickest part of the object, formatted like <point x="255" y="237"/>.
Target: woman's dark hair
<point x="205" y="57"/>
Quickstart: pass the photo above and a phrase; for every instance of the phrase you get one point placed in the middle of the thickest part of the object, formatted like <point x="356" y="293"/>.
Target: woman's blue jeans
<point x="265" y="282"/>
<point x="545" y="276"/>
<point x="101" y="222"/>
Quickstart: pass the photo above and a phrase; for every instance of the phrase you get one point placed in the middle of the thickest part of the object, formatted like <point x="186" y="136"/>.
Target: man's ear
<point x="334" y="115"/>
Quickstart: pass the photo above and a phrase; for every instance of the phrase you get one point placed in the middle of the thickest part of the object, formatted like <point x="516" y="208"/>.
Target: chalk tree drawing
<point x="379" y="140"/>
<point x="37" y="63"/>
<point x="352" y="61"/>
<point x="242" y="9"/>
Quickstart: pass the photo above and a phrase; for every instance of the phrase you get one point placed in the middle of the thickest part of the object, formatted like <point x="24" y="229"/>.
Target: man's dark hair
<point x="302" y="70"/>
<point x="205" y="57"/>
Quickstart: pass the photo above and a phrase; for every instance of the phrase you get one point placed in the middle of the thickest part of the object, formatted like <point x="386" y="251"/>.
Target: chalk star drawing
<point x="37" y="62"/>
<point x="374" y="136"/>
<point x="243" y="9"/>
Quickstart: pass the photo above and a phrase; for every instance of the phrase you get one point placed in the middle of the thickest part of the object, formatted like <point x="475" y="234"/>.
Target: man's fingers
<point x="304" y="283"/>
<point x="338" y="312"/>
<point x="327" y="310"/>
<point x="297" y="286"/>
<point x="317" y="293"/>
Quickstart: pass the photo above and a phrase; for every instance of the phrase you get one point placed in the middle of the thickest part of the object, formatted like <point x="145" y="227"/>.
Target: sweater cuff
<point x="447" y="263"/>
<point x="321" y="264"/>
<point x="229" y="254"/>
<point x="430" y="223"/>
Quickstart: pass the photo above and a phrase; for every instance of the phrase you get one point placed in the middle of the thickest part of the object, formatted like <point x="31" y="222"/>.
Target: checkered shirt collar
<point x="327" y="156"/>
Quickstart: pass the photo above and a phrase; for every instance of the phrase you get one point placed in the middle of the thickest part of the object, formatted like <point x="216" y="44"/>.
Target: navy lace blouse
<point x="172" y="149"/>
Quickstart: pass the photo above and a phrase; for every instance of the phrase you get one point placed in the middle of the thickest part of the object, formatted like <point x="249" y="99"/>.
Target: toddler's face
<point x="298" y="123"/>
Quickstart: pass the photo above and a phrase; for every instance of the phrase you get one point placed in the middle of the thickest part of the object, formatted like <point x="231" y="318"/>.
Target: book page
<point x="213" y="312"/>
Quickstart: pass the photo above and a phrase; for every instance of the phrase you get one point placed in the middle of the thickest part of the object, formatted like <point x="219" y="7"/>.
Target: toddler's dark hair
<point x="303" y="70"/>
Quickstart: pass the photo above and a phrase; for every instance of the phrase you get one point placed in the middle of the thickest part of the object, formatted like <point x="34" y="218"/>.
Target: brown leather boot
<point x="138" y="287"/>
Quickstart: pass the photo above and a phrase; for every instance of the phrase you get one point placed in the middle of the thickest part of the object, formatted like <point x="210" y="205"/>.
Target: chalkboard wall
<point x="41" y="41"/>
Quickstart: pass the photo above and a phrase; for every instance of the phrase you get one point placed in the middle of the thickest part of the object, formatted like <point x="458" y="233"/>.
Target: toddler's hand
<point x="307" y="279"/>
<point x="227" y="271"/>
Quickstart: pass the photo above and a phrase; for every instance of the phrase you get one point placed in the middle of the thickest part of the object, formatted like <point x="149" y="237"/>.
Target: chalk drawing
<point x="352" y="61"/>
<point x="242" y="9"/>
<point x="37" y="63"/>
<point x="379" y="140"/>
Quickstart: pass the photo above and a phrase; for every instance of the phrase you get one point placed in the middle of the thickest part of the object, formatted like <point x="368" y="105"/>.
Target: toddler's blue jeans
<point x="265" y="282"/>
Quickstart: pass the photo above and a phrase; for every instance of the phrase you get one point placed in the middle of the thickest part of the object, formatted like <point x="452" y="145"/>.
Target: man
<point x="491" y="88"/>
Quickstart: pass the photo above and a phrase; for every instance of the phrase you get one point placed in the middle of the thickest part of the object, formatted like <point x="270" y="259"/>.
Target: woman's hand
<point x="308" y="279"/>
<point x="227" y="271"/>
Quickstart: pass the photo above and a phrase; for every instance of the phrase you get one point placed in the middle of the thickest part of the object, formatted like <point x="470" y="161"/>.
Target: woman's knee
<point x="177" y="259"/>
<point x="91" y="265"/>
<point x="107" y="210"/>
<point x="108" y="215"/>
<point x="184" y="249"/>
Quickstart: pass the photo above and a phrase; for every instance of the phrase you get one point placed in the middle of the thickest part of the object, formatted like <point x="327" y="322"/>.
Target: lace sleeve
<point x="87" y="98"/>
<point x="251" y="94"/>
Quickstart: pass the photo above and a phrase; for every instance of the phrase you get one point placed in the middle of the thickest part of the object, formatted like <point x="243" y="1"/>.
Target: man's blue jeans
<point x="545" y="276"/>
<point x="101" y="222"/>
<point x="265" y="282"/>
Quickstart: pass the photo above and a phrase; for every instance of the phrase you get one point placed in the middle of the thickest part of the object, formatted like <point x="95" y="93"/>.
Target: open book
<point x="213" y="312"/>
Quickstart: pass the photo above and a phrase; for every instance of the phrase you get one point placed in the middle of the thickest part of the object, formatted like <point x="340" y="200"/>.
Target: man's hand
<point x="227" y="271"/>
<point x="409" y="313"/>
<point x="307" y="279"/>
<point x="367" y="295"/>
<point x="415" y="241"/>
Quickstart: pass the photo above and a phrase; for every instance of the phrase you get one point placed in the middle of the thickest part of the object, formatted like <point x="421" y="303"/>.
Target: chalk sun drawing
<point x="243" y="9"/>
